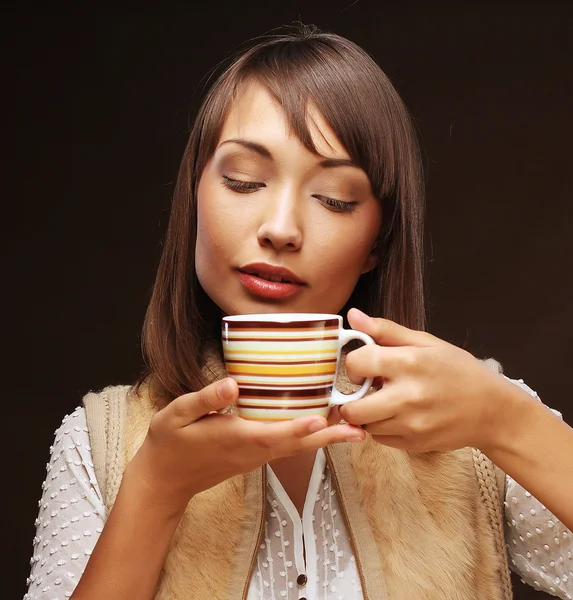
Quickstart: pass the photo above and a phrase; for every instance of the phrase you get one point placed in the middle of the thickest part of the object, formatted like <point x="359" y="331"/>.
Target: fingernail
<point x="224" y="389"/>
<point x="355" y="438"/>
<point x="316" y="426"/>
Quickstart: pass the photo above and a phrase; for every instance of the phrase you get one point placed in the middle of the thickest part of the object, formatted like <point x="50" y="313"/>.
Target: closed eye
<point x="243" y="187"/>
<point x="248" y="187"/>
<point x="336" y="205"/>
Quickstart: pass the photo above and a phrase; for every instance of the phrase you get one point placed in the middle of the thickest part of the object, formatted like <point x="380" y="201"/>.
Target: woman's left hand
<point x="434" y="395"/>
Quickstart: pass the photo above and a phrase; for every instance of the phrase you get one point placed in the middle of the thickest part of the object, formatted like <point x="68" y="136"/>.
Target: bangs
<point x="349" y="90"/>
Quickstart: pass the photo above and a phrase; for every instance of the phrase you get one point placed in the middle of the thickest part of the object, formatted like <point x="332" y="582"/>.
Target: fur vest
<point x="423" y="526"/>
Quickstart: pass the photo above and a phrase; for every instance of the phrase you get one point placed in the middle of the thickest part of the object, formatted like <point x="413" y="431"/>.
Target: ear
<point x="370" y="263"/>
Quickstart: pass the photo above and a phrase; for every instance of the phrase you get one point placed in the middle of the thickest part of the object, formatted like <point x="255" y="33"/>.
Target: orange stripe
<point x="282" y="371"/>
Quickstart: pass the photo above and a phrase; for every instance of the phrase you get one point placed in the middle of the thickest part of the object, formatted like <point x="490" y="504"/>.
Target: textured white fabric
<point x="540" y="547"/>
<point x="330" y="568"/>
<point x="72" y="515"/>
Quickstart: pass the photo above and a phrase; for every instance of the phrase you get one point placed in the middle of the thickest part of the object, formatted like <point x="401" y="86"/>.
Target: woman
<point x="302" y="175"/>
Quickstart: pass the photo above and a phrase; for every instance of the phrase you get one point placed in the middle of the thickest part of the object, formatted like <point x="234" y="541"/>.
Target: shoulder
<point x="107" y="394"/>
<point x="105" y="417"/>
<point x="73" y="423"/>
<point x="106" y="405"/>
<point x="79" y="419"/>
<point x="105" y="409"/>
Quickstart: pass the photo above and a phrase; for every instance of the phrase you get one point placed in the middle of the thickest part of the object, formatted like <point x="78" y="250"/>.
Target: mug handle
<point x="337" y="397"/>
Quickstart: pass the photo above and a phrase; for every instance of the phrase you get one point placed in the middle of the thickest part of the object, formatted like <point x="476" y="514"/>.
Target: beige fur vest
<point x="423" y="526"/>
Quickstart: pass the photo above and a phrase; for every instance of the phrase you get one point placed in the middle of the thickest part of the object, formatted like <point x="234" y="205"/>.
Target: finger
<point x="333" y="416"/>
<point x="336" y="434"/>
<point x="381" y="363"/>
<point x="388" y="427"/>
<point x="394" y="441"/>
<point x="378" y="406"/>
<point x="298" y="434"/>
<point x="191" y="407"/>
<point x="401" y="433"/>
<point x="388" y="333"/>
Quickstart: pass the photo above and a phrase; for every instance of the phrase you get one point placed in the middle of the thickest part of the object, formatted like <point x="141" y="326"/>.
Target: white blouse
<point x="309" y="558"/>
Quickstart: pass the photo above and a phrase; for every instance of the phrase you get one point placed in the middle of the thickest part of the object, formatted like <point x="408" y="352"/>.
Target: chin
<point x="267" y="308"/>
<point x="261" y="307"/>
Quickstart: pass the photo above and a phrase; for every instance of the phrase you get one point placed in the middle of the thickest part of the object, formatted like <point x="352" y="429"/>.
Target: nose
<point x="280" y="227"/>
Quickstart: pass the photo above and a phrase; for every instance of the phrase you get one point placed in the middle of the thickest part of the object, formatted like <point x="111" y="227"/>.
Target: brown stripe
<point x="294" y="325"/>
<point x="284" y="339"/>
<point x="280" y="329"/>
<point x="262" y="393"/>
<point x="279" y="407"/>
<point x="275" y="400"/>
<point x="292" y="386"/>
<point x="250" y="361"/>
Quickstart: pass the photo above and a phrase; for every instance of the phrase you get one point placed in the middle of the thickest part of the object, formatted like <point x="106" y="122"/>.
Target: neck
<point x="294" y="474"/>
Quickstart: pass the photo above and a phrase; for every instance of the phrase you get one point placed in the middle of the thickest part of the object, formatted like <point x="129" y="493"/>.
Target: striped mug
<point x="286" y="364"/>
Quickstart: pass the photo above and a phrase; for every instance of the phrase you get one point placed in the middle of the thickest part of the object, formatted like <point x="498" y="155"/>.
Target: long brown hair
<point x="364" y="110"/>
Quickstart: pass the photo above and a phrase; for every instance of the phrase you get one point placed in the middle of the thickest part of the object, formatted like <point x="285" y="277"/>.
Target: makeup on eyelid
<point x="345" y="196"/>
<point x="250" y="166"/>
<point x="249" y="187"/>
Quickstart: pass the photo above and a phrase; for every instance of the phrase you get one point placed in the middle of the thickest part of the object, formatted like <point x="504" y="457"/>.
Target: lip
<point x="249" y="276"/>
<point x="271" y="271"/>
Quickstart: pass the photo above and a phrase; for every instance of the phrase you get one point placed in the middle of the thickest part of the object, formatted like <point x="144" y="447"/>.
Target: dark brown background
<point x="98" y="104"/>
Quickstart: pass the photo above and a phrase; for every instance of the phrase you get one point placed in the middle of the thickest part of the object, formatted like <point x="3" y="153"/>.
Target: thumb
<point x="388" y="333"/>
<point x="193" y="406"/>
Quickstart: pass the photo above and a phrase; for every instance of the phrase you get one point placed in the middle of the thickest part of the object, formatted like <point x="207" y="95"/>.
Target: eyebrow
<point x="327" y="163"/>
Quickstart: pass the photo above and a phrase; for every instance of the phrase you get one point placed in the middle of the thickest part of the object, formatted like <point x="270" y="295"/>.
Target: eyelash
<point x="337" y="205"/>
<point x="243" y="187"/>
<point x="248" y="187"/>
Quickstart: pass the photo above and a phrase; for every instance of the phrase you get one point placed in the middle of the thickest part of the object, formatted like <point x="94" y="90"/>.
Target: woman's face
<point x="280" y="229"/>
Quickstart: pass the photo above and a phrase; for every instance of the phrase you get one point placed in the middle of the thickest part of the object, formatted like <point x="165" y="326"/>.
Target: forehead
<point x="256" y="115"/>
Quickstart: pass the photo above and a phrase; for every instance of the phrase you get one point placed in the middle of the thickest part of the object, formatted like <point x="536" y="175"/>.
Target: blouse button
<point x="301" y="581"/>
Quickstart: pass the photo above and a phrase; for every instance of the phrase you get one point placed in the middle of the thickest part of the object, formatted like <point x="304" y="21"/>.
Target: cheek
<point x="214" y="224"/>
<point x="342" y="259"/>
<point x="210" y="226"/>
<point x="347" y="249"/>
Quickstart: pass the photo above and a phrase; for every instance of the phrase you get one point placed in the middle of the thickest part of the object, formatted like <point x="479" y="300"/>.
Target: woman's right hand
<point x="190" y="447"/>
